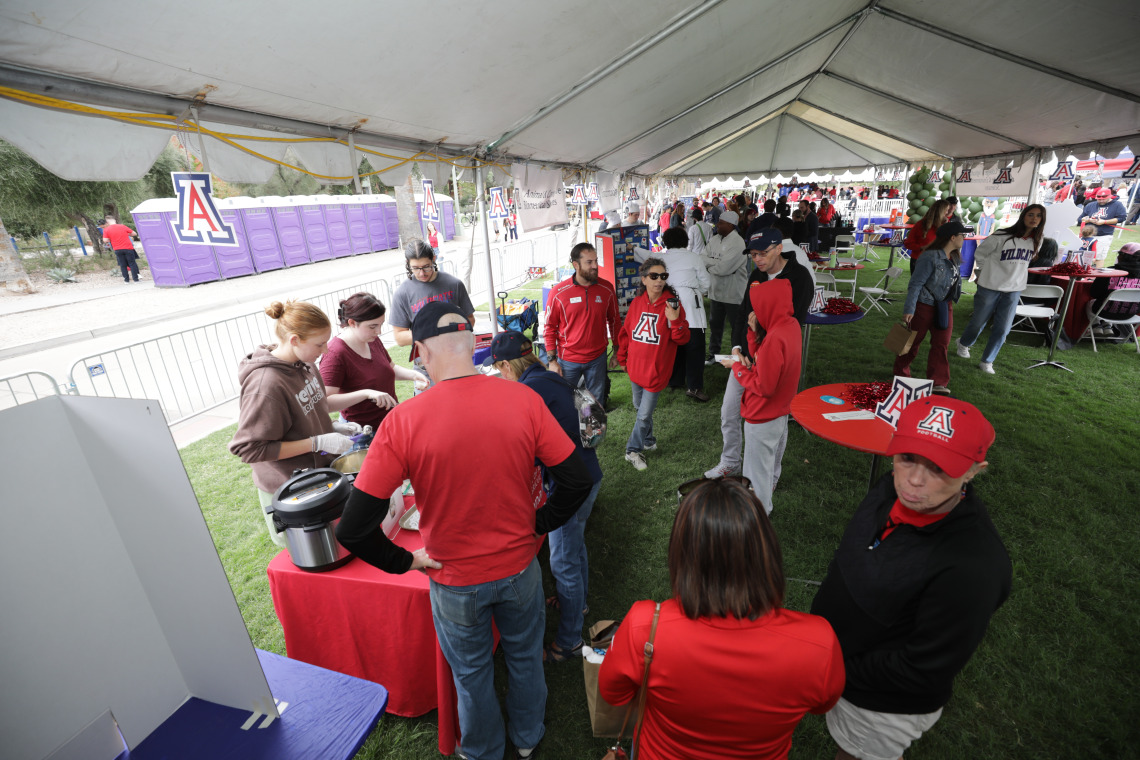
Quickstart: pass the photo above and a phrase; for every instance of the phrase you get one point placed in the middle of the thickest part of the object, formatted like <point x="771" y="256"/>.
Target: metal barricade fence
<point x="26" y="387"/>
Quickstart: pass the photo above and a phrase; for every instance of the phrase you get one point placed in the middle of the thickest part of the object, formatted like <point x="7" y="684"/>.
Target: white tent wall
<point x="633" y="89"/>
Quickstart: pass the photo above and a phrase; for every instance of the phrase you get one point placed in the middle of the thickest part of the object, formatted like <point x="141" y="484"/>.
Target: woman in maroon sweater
<point x="647" y="345"/>
<point x="733" y="672"/>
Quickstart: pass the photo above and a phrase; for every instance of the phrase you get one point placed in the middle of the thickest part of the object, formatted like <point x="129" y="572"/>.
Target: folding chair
<point x="868" y="245"/>
<point x="1027" y="312"/>
<point x="854" y="275"/>
<point x="877" y="295"/>
<point x="1124" y="295"/>
<point x="828" y="281"/>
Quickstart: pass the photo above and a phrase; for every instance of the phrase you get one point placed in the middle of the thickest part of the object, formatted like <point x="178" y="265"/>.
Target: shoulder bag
<point x="616" y="752"/>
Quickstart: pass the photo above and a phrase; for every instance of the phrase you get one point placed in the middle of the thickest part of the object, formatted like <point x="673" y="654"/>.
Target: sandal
<point x="554" y="653"/>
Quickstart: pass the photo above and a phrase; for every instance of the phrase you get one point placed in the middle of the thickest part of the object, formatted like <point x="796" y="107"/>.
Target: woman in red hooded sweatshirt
<point x="769" y="383"/>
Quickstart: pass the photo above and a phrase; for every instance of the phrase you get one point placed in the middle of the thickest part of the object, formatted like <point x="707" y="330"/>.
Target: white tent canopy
<point x="694" y="88"/>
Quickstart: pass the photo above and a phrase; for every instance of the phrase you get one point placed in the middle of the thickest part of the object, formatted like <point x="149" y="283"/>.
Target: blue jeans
<point x="462" y="616"/>
<point x="642" y="434"/>
<point x="987" y="303"/>
<point x="594" y="370"/>
<point x="571" y="571"/>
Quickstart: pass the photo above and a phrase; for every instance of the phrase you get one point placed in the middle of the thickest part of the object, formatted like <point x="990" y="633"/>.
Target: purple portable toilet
<point x="335" y="224"/>
<point x="313" y="223"/>
<point x="447" y="206"/>
<point x="290" y="233"/>
<point x="260" y="234"/>
<point x="154" y="234"/>
<point x="376" y="221"/>
<point x="196" y="262"/>
<point x="354" y="217"/>
<point x="391" y="221"/>
<point x="233" y="261"/>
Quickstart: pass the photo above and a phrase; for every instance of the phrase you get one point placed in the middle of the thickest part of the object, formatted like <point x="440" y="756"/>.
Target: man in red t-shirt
<point x="477" y="519"/>
<point x="119" y="236"/>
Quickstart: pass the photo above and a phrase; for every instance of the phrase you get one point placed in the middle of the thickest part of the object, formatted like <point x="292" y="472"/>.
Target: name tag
<point x="576" y="299"/>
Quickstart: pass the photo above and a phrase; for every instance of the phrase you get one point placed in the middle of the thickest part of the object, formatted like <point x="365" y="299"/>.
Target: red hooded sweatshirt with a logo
<point x="647" y="343"/>
<point x="770" y="383"/>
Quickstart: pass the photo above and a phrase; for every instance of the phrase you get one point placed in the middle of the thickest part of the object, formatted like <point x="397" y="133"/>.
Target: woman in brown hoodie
<point x="283" y="422"/>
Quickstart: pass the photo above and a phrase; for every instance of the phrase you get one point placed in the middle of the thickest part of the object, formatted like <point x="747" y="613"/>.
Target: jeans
<point x="1003" y="308"/>
<point x="937" y="364"/>
<point x="462" y="616"/>
<point x="571" y="570"/>
<point x="642" y="434"/>
<point x="718" y="312"/>
<point x="594" y="370"/>
<point x="128" y="260"/>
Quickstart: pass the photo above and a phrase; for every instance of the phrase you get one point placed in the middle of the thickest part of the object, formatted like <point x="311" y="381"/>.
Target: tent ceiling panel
<point x="690" y="158"/>
<point x="797" y="139"/>
<point x="757" y="145"/>
<point x="750" y="94"/>
<point x="1027" y="106"/>
<point x="905" y="123"/>
<point x="860" y="134"/>
<point x="872" y="156"/>
<point x="672" y="76"/>
<point x="1044" y="32"/>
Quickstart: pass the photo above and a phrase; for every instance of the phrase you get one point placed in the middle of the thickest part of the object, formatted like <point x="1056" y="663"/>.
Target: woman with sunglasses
<point x="732" y="671"/>
<point x="647" y="347"/>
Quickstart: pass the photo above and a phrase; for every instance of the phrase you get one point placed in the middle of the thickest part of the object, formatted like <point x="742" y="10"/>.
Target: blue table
<point x="324" y="715"/>
<point x="822" y="319"/>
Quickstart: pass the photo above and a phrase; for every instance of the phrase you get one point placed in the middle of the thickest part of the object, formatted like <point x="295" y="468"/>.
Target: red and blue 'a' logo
<point x="1064" y="170"/>
<point x="1133" y="170"/>
<point x="579" y="196"/>
<point x="632" y="194"/>
<point x="1004" y="177"/>
<point x="199" y="222"/>
<point x="498" y="209"/>
<point x="592" y="192"/>
<point x="964" y="176"/>
<point x="430" y="209"/>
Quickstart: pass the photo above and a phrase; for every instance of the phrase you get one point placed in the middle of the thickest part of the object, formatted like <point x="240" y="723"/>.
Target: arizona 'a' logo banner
<point x="498" y="208"/>
<point x="935" y="177"/>
<point x="592" y="192"/>
<point x="1133" y="170"/>
<point x="646" y="329"/>
<point x="579" y="196"/>
<point x="632" y="194"/>
<point x="430" y="210"/>
<point x="939" y="422"/>
<point x="1004" y="177"/>
<point x="964" y="176"/>
<point x="199" y="222"/>
<point x="1064" y="170"/>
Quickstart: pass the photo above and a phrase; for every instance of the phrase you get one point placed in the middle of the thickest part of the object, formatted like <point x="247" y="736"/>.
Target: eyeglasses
<point x="688" y="487"/>
<point x="658" y="276"/>
<point x="428" y="268"/>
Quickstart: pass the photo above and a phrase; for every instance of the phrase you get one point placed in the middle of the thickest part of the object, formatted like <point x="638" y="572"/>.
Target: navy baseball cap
<point x="950" y="229"/>
<point x="764" y="239"/>
<point x="510" y="344"/>
<point x="426" y="322"/>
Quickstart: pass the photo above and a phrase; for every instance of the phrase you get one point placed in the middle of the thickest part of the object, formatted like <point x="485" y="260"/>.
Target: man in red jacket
<point x="577" y="314"/>
<point x="769" y="384"/>
<point x="119" y="236"/>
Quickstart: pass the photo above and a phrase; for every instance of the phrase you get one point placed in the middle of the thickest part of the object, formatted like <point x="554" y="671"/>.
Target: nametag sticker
<point x="862" y="414"/>
<point x="576" y="299"/>
<point x="832" y="400"/>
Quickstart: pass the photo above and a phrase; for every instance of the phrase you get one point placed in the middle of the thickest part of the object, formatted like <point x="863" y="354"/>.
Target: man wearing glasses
<point x="425" y="284"/>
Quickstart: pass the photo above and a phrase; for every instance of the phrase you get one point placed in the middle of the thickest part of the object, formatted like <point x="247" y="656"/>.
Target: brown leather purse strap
<point x="643" y="693"/>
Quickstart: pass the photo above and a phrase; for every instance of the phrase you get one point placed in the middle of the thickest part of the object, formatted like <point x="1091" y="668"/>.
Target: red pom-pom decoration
<point x="840" y="306"/>
<point x="866" y="395"/>
<point x="1069" y="269"/>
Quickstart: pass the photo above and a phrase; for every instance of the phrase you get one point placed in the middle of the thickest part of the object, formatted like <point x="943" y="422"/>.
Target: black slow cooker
<point x="307" y="509"/>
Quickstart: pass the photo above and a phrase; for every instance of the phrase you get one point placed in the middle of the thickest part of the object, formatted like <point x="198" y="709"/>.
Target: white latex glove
<point x="332" y="443"/>
<point x="420" y="383"/>
<point x="344" y="427"/>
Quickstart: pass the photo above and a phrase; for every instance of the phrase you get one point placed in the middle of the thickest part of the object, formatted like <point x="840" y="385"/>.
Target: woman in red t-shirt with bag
<point x="732" y="672"/>
<point x="647" y="346"/>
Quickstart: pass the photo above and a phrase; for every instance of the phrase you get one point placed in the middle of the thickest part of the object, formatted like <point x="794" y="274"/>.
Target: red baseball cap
<point x="1104" y="192"/>
<point x="949" y="432"/>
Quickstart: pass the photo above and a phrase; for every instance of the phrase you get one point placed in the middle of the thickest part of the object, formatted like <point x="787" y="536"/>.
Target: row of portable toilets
<point x="274" y="232"/>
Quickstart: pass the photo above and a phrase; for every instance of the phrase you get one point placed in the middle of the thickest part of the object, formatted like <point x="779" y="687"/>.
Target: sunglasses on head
<point x="688" y="487"/>
<point x="658" y="276"/>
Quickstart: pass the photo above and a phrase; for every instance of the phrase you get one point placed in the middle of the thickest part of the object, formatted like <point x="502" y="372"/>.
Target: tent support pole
<point x="1035" y="188"/>
<point x="354" y="163"/>
<point x="201" y="141"/>
<point x="480" y="193"/>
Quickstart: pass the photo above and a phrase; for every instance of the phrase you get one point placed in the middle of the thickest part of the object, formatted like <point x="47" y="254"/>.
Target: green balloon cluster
<point x="923" y="193"/>
<point x="970" y="209"/>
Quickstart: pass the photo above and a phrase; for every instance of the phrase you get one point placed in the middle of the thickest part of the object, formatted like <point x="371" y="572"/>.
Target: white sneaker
<point x="987" y="367"/>
<point x="722" y="471"/>
<point x="963" y="351"/>
<point x="635" y="458"/>
<point x="650" y="447"/>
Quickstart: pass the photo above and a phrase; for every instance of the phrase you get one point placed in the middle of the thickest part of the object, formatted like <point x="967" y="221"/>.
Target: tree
<point x="12" y="274"/>
<point x="35" y="201"/>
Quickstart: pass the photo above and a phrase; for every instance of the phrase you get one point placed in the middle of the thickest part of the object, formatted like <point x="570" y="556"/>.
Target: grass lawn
<point x="1057" y="675"/>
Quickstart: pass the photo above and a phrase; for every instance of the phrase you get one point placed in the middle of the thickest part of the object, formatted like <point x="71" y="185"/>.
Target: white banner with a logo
<point x="1000" y="180"/>
<point x="609" y="192"/>
<point x="539" y="198"/>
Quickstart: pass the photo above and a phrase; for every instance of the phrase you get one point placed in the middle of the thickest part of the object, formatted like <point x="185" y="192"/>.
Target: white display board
<point x="114" y="598"/>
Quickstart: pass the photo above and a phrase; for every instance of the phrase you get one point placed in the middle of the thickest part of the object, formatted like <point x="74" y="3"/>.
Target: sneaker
<point x="650" y="447"/>
<point x="963" y="351"/>
<point x="635" y="458"/>
<point x="709" y="360"/>
<point x="942" y="390"/>
<point x="722" y="471"/>
<point x="987" y="367"/>
<point x="697" y="395"/>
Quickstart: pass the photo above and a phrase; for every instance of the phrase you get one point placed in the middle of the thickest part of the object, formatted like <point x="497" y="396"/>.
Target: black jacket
<point x="802" y="293"/>
<point x="910" y="612"/>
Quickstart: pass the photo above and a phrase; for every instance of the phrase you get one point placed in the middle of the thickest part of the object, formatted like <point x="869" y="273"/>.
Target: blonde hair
<point x="519" y="365"/>
<point x="298" y="318"/>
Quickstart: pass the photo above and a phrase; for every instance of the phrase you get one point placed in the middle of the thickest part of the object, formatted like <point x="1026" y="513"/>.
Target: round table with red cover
<point x="871" y="436"/>
<point x="1071" y="272"/>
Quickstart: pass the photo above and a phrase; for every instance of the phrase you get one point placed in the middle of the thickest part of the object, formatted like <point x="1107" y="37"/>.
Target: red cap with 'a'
<point x="949" y="432"/>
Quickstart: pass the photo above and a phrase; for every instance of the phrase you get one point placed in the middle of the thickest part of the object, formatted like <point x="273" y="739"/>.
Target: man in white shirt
<point x="728" y="275"/>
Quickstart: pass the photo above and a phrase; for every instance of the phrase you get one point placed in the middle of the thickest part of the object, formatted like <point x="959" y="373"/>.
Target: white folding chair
<point x="843" y="280"/>
<point x="844" y="244"/>
<point x="1124" y="295"/>
<point x="876" y="295"/>
<point x="1027" y="312"/>
<point x="828" y="281"/>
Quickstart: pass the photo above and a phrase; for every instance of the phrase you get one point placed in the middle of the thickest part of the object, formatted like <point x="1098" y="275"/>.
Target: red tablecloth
<point x="808" y="408"/>
<point x="364" y="622"/>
